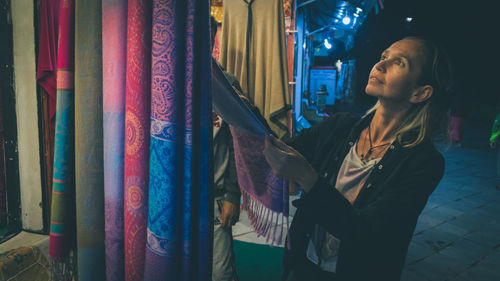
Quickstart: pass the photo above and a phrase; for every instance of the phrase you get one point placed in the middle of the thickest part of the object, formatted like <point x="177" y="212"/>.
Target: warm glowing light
<point x="327" y="44"/>
<point x="338" y="64"/>
<point x="346" y="20"/>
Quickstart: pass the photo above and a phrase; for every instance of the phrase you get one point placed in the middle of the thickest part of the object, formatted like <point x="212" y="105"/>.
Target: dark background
<point x="468" y="30"/>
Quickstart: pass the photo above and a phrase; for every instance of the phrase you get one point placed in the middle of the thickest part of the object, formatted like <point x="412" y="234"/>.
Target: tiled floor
<point x="457" y="237"/>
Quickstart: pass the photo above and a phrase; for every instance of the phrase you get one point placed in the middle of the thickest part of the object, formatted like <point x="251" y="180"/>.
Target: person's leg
<point x="224" y="266"/>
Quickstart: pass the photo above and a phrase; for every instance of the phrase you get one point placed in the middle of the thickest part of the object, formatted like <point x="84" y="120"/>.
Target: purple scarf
<point x="265" y="196"/>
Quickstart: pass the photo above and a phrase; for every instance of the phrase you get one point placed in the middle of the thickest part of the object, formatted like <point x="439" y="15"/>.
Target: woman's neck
<point x="385" y="122"/>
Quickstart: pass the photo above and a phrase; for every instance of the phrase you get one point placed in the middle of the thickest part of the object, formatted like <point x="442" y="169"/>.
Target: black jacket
<point x="376" y="229"/>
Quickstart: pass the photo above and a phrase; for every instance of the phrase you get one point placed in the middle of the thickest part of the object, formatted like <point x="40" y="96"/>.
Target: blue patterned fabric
<point x="179" y="235"/>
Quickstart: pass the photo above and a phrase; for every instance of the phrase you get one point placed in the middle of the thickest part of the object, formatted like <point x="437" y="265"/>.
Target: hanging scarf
<point x="114" y="49"/>
<point x="265" y="196"/>
<point x="179" y="218"/>
<point x="89" y="141"/>
<point x="137" y="122"/>
<point x="62" y="221"/>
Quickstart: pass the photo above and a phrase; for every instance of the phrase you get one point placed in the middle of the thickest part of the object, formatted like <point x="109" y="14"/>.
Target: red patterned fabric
<point x="137" y="120"/>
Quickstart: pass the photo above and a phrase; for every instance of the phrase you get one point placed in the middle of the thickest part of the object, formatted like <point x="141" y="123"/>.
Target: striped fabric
<point x="62" y="212"/>
<point x="62" y="224"/>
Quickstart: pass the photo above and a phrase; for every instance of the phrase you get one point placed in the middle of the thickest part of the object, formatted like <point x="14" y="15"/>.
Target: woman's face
<point x="394" y="77"/>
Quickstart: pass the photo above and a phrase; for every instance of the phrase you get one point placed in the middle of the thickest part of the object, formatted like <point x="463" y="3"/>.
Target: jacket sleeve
<point x="232" y="188"/>
<point x="395" y="208"/>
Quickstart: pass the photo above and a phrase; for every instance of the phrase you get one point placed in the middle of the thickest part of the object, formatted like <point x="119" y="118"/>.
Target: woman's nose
<point x="380" y="66"/>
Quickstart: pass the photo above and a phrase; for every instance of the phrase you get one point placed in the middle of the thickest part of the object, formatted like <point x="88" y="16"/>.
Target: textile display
<point x="137" y="122"/>
<point x="114" y="53"/>
<point x="179" y="220"/>
<point x="89" y="141"/>
<point x="253" y="49"/>
<point x="24" y="264"/>
<point x="47" y="51"/>
<point x="62" y="220"/>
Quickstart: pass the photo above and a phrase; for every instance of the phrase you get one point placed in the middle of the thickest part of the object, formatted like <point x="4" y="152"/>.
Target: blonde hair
<point x="431" y="117"/>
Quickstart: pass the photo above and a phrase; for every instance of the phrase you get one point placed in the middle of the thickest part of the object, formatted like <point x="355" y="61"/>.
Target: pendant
<point x="368" y="153"/>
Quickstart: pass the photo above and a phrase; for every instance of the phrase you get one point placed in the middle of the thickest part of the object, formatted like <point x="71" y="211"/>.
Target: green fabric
<point x="495" y="130"/>
<point x="89" y="172"/>
<point x="258" y="262"/>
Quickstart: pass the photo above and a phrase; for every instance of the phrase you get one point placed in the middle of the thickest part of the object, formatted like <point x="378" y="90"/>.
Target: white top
<point x="352" y="176"/>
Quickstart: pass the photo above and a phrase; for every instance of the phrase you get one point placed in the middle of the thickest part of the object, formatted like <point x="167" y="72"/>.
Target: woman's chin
<point x="370" y="92"/>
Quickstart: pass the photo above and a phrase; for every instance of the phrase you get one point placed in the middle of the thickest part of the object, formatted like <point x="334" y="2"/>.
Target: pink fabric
<point x="216" y="47"/>
<point x="114" y="49"/>
<point x="47" y="50"/>
<point x="456" y="128"/>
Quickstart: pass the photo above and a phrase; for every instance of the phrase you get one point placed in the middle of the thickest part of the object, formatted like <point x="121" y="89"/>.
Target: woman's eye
<point x="399" y="62"/>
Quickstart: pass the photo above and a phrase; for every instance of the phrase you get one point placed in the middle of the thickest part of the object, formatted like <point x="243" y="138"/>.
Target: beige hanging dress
<point x="253" y="49"/>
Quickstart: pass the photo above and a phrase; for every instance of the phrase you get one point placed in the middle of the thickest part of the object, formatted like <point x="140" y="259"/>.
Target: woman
<point x="365" y="181"/>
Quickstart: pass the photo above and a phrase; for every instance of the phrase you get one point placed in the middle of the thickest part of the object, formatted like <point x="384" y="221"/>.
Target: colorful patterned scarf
<point x="179" y="235"/>
<point x="137" y="122"/>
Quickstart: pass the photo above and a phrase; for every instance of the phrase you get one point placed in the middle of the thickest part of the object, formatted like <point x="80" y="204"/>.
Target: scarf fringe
<point x="64" y="268"/>
<point x="264" y="220"/>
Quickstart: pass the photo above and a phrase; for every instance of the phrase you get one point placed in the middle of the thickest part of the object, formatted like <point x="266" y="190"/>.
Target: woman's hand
<point x="289" y="164"/>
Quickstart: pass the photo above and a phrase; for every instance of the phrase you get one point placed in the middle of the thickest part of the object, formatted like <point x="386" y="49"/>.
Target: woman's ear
<point x="422" y="94"/>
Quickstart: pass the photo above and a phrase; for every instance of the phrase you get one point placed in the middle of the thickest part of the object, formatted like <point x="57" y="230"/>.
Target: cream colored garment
<point x="268" y="76"/>
<point x="351" y="177"/>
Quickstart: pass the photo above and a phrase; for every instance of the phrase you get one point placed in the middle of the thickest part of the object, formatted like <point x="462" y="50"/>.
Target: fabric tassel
<point x="64" y="268"/>
<point x="265" y="221"/>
